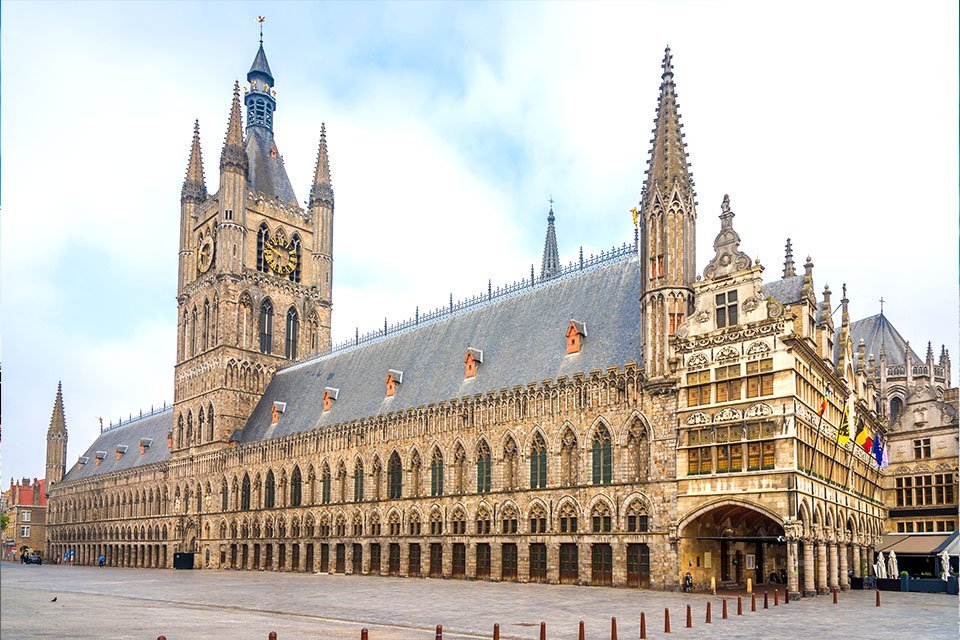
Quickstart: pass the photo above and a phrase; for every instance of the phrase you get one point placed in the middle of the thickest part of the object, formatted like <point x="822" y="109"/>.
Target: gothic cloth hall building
<point x="622" y="420"/>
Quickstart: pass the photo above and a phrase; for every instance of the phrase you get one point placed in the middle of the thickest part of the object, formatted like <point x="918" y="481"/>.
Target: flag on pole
<point x="878" y="449"/>
<point x="823" y="401"/>
<point x="843" y="433"/>
<point x="862" y="434"/>
<point x="886" y="456"/>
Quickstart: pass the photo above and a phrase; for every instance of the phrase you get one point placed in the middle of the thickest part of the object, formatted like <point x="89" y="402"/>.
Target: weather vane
<point x="260" y="21"/>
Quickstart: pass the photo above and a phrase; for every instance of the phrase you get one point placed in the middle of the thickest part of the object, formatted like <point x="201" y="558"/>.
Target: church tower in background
<point x="255" y="271"/>
<point x="57" y="441"/>
<point x="667" y="232"/>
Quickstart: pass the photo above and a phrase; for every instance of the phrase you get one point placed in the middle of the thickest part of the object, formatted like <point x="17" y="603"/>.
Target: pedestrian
<point x="101" y="560"/>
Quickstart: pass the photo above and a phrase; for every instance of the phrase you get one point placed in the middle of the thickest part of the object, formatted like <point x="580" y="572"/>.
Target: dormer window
<point x="100" y="455"/>
<point x="471" y="362"/>
<point x="329" y="397"/>
<point x="145" y="444"/>
<point x="82" y="461"/>
<point x="576" y="332"/>
<point x="276" y="410"/>
<point x="121" y="449"/>
<point x="394" y="379"/>
<point x="169" y="439"/>
<point x="727" y="309"/>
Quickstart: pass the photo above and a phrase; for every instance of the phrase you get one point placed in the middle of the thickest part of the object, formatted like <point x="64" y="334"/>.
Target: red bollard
<point x="776" y="597"/>
<point x="753" y="602"/>
<point x="878" y="597"/>
<point x="643" y="626"/>
<point x="834" y="596"/>
<point x="766" y="601"/>
<point x="580" y="636"/>
<point x="709" y="619"/>
<point x="666" y="618"/>
<point x="496" y="632"/>
<point x="786" y="595"/>
<point x="364" y="634"/>
<point x="543" y="631"/>
<point x="689" y="618"/>
<point x="439" y="635"/>
<point x="613" y="629"/>
<point x="724" y="611"/>
<point x="739" y="606"/>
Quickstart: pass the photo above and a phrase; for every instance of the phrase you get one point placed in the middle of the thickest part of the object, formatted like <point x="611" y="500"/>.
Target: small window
<point x="921" y="448"/>
<point x="726" y="309"/>
<point x="24" y="516"/>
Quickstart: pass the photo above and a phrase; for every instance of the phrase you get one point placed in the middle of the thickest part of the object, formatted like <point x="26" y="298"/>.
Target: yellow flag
<point x="843" y="433"/>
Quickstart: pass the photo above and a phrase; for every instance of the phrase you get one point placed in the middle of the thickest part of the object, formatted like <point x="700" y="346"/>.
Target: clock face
<point x="205" y="254"/>
<point x="280" y="256"/>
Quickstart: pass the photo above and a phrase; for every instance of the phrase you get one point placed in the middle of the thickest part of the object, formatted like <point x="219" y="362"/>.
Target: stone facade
<point x="26" y="508"/>
<point x="706" y="442"/>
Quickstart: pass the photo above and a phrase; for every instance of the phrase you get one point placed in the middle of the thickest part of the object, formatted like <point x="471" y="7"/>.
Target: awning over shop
<point x="916" y="544"/>
<point x="951" y="544"/>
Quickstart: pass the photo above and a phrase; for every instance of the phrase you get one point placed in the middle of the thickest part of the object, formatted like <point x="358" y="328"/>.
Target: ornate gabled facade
<point x="618" y="421"/>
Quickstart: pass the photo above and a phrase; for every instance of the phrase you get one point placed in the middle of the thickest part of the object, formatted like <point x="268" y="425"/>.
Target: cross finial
<point x="260" y="21"/>
<point x="881" y="305"/>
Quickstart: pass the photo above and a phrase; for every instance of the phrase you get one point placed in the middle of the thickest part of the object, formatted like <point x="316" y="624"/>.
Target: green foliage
<point x="4" y="521"/>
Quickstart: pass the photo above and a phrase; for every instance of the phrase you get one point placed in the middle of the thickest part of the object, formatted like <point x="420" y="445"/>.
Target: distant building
<point x="26" y="508"/>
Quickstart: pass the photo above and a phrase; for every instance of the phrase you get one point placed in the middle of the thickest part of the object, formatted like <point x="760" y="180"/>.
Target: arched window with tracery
<point x="342" y="482"/>
<point x="325" y="484"/>
<point x="483" y="467"/>
<point x="293" y="330"/>
<point x="263" y="234"/>
<point x="896" y="408"/>
<point x="266" y="326"/>
<point x="205" y="338"/>
<point x="313" y="332"/>
<point x="568" y="518"/>
<point x="358" y="481"/>
<point x="201" y="430"/>
<point x="296" y="487"/>
<point x="638" y="450"/>
<point x="416" y="472"/>
<point x="269" y="491"/>
<point x="295" y="249"/>
<point x="210" y="430"/>
<point x="460" y="470"/>
<point x="568" y="459"/>
<point x="224" y="495"/>
<point x="601" y="520"/>
<point x="193" y="332"/>
<point x="510" y="465"/>
<point x="436" y="473"/>
<point x="638" y="521"/>
<point x="394" y="476"/>
<point x="538" y="463"/>
<point x="245" y="493"/>
<point x="189" y="428"/>
<point x="245" y="320"/>
<point x="538" y="519"/>
<point x="602" y="456"/>
<point x="377" y="478"/>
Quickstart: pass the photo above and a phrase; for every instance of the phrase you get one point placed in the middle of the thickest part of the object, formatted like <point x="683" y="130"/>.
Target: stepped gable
<point x="154" y="426"/>
<point x="521" y="337"/>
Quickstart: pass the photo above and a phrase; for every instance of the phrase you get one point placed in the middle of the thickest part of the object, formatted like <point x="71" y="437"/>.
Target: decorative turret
<point x="260" y="99"/>
<point x="788" y="270"/>
<point x="667" y="231"/>
<point x="321" y="207"/>
<point x="862" y="357"/>
<point x="194" y="187"/>
<point x="728" y="258"/>
<point x="57" y="441"/>
<point x="807" y="290"/>
<point x="233" y="156"/>
<point x="321" y="192"/>
<point x="550" y="265"/>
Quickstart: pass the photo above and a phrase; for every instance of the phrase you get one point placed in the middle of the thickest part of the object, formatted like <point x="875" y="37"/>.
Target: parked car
<point x="31" y="558"/>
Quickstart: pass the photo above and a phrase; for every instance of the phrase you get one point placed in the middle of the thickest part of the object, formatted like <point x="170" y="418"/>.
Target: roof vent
<point x="278" y="408"/>
<point x="576" y="332"/>
<point x="471" y="361"/>
<point x="394" y="378"/>
<point x="329" y="395"/>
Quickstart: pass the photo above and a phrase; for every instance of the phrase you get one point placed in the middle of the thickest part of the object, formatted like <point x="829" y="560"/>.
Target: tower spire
<point x="550" y="265"/>
<point x="57" y="440"/>
<point x="788" y="268"/>
<point x="321" y="192"/>
<point x="233" y="153"/>
<point x="194" y="186"/>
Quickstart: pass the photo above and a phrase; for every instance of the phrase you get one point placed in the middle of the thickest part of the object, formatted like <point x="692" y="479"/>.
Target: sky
<point x="450" y="126"/>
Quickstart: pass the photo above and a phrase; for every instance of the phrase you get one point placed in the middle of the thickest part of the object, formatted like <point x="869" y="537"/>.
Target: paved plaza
<point x="139" y="603"/>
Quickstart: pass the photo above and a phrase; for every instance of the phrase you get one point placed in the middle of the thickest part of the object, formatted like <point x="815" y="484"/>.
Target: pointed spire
<point x="668" y="156"/>
<point x="321" y="193"/>
<point x="550" y="265"/>
<point x="194" y="186"/>
<point x="929" y="358"/>
<point x="58" y="421"/>
<point x="807" y="290"/>
<point x="788" y="269"/>
<point x="728" y="258"/>
<point x="233" y="153"/>
<point x="845" y="317"/>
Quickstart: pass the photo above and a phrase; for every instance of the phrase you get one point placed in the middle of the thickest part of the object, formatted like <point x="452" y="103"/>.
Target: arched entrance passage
<point x="732" y="541"/>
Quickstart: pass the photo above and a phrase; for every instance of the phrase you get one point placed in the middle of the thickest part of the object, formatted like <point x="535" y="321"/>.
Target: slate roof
<point x="264" y="172"/>
<point x="878" y="331"/>
<point x="786" y="290"/>
<point x="521" y="335"/>
<point x="260" y="65"/>
<point x="154" y="426"/>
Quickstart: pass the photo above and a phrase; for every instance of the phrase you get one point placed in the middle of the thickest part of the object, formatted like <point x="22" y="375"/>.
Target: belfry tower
<point x="667" y="232"/>
<point x="57" y="441"/>
<point x="255" y="272"/>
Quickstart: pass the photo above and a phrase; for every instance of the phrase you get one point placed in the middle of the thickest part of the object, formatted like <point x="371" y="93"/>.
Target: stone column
<point x="844" y="578"/>
<point x="553" y="562"/>
<point x="584" y="572"/>
<point x="348" y="559"/>
<point x="523" y="561"/>
<point x="856" y="561"/>
<point x="822" y="568"/>
<point x="289" y="559"/>
<point x="619" y="563"/>
<point x="793" y="582"/>
<point x="471" y="568"/>
<point x="447" y="560"/>
<point x="404" y="559"/>
<point x="832" y="582"/>
<point x="496" y="561"/>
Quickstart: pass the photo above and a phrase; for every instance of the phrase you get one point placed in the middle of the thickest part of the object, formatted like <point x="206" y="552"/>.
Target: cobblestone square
<point x="143" y="604"/>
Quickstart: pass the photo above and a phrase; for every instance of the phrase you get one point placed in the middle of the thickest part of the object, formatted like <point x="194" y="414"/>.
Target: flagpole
<point x="815" y="442"/>
<point x="836" y="441"/>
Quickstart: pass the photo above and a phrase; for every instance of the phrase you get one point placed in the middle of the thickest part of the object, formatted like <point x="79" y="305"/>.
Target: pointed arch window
<point x="224" y="494"/>
<point x="313" y="330"/>
<point x="325" y="485"/>
<point x="263" y="234"/>
<point x="193" y="332"/>
<point x="269" y="491"/>
<point x="295" y="247"/>
<point x="483" y="468"/>
<point x="436" y="473"/>
<point x="189" y="428"/>
<point x="394" y="476"/>
<point x="296" y="488"/>
<point x="510" y="473"/>
<point x="210" y="430"/>
<point x="245" y="493"/>
<point x="602" y="456"/>
<point x="293" y="329"/>
<point x="538" y="463"/>
<point x="206" y="325"/>
<point x="266" y="327"/>
<point x="358" y="481"/>
<point x="416" y="471"/>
